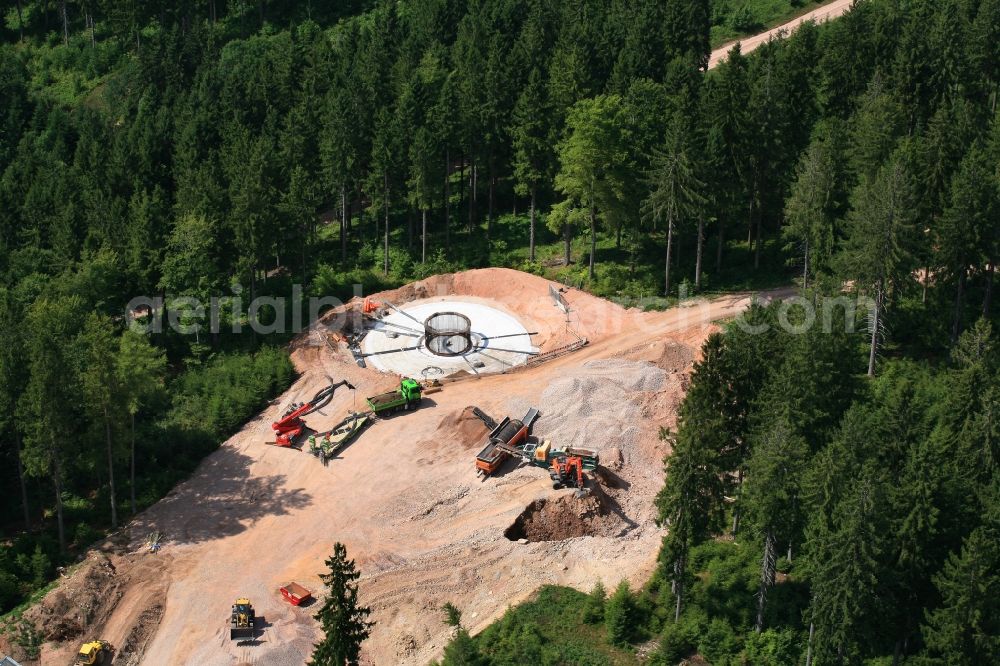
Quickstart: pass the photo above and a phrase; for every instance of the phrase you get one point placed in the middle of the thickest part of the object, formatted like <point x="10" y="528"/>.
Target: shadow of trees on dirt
<point x="220" y="499"/>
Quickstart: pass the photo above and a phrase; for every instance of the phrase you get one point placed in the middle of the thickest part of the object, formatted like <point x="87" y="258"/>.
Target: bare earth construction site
<point x="404" y="496"/>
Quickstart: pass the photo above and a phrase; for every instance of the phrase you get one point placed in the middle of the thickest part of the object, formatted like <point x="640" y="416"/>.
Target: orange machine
<point x="567" y="471"/>
<point x="504" y="441"/>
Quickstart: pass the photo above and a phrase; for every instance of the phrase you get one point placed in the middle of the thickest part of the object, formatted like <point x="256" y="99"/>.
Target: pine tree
<point x="344" y="622"/>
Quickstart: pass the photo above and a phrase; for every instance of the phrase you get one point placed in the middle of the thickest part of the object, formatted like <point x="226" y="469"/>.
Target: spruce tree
<point x="965" y="629"/>
<point x="809" y="208"/>
<point x="845" y="574"/>
<point x="973" y="207"/>
<point x="344" y="621"/>
<point x="773" y="489"/>
<point x="531" y="135"/>
<point x="595" y="162"/>
<point x="593" y="610"/>
<point x="878" y="249"/>
<point x="619" y="615"/>
<point x="675" y="191"/>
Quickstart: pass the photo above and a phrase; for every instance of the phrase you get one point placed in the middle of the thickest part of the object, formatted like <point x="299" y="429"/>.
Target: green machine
<point x="406" y="397"/>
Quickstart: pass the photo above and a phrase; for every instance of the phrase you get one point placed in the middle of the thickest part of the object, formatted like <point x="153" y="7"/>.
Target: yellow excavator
<point x="241" y="624"/>
<point x="94" y="652"/>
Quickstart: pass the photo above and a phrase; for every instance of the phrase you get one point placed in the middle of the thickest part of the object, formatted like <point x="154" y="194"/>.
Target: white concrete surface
<point x="487" y="322"/>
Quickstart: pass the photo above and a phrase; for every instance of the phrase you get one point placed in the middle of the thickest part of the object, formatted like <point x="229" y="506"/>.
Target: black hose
<point x="324" y="396"/>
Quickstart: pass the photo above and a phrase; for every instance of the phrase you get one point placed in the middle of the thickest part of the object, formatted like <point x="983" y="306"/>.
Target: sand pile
<point x="463" y="428"/>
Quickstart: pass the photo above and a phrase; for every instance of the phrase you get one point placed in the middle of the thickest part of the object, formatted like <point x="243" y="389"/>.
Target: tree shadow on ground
<point x="221" y="499"/>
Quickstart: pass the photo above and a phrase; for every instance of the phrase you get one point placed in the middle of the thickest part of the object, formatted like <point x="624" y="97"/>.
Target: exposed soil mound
<point x="462" y="429"/>
<point x="84" y="600"/>
<point x="466" y="428"/>
<point x="570" y="515"/>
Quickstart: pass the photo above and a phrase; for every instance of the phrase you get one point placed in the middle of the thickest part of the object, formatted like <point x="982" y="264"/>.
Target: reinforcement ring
<point x="448" y="334"/>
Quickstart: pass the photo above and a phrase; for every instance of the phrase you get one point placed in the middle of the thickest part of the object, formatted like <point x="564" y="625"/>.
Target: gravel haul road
<point x="828" y="11"/>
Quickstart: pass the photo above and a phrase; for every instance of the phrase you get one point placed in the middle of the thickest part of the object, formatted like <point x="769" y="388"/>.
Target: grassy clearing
<point x="539" y="632"/>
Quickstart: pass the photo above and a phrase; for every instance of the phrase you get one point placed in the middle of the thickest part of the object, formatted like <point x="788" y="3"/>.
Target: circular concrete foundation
<point x="493" y="342"/>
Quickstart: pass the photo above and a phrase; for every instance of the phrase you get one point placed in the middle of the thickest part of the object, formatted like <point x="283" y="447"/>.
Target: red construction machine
<point x="291" y="425"/>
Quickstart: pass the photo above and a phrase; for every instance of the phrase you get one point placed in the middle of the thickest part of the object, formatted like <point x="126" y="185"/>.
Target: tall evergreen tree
<point x="965" y="629"/>
<point x="532" y="142"/>
<point x="101" y="392"/>
<point x="974" y="205"/>
<point x="50" y="328"/>
<point x="675" y="190"/>
<point x="140" y="371"/>
<point x="809" y="209"/>
<point x="773" y="497"/>
<point x="344" y="622"/>
<point x="594" y="162"/>
<point x="877" y="250"/>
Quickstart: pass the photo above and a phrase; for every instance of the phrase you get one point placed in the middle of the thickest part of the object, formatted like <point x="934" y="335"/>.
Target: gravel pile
<point x="591" y="407"/>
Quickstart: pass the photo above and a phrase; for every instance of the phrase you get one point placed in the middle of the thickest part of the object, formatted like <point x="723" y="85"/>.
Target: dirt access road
<point x="404" y="497"/>
<point x="828" y="11"/>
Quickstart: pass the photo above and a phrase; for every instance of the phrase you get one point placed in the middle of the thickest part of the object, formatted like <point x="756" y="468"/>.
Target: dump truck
<point x="406" y="397"/>
<point x="94" y="652"/>
<point x="242" y="622"/>
<point x="295" y="594"/>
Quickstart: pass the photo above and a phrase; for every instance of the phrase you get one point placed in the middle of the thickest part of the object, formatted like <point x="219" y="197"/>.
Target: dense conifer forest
<point x="832" y="497"/>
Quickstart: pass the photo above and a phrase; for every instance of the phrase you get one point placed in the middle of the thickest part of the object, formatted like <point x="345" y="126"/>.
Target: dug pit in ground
<point x="579" y="513"/>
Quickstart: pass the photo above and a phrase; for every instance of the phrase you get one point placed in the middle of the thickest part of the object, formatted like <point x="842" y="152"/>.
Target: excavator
<point x="93" y="653"/>
<point x="241" y="624"/>
<point x="290" y="426"/>
<point x="567" y="471"/>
